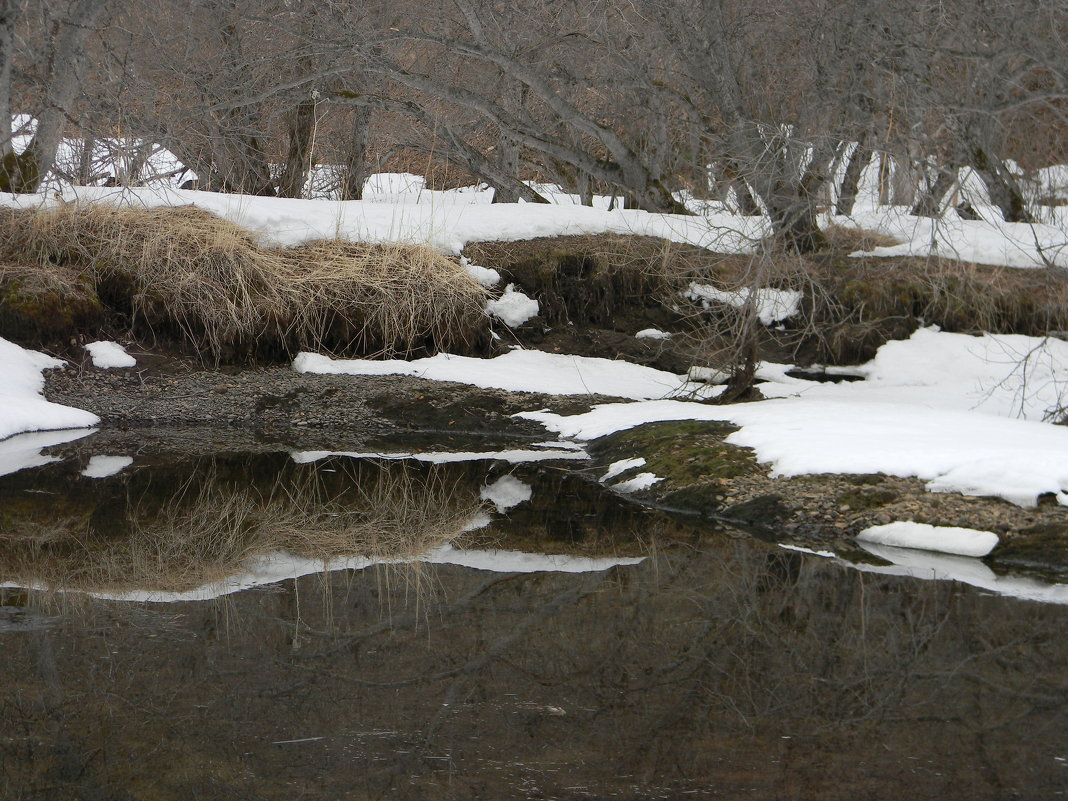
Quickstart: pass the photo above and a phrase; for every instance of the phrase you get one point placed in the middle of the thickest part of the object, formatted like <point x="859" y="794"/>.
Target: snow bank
<point x="928" y="410"/>
<point x="945" y="539"/>
<point x="400" y="208"/>
<point x="999" y="374"/>
<point x="22" y="408"/>
<point x="447" y="222"/>
<point x="517" y="371"/>
<point x="109" y="354"/>
<point x="990" y="241"/>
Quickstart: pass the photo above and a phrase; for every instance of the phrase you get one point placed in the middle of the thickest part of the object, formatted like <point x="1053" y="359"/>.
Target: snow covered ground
<point x="954" y="410"/>
<point x="517" y="371"/>
<point x="22" y="407"/>
<point x="400" y="208"/>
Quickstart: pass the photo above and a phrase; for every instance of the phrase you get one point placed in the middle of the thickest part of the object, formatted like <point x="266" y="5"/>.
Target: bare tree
<point x="61" y="79"/>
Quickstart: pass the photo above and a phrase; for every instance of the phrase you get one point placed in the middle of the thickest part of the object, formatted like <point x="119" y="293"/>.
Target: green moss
<point x="47" y="310"/>
<point x="680" y="452"/>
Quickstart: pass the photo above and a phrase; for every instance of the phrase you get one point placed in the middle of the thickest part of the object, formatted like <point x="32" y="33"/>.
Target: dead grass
<point x="839" y="239"/>
<point x="188" y="269"/>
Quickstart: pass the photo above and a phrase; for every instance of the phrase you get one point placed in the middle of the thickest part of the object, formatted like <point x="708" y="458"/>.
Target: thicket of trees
<point x="772" y="108"/>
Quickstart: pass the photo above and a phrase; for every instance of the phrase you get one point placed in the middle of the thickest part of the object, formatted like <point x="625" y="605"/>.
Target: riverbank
<point x="177" y="405"/>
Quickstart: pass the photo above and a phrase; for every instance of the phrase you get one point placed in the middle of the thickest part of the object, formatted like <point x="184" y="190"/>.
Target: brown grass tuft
<point x="839" y="239"/>
<point x="187" y="269"/>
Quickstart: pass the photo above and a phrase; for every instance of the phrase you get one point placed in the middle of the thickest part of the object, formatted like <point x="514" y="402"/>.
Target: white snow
<point x="104" y="466"/>
<point x="945" y="539"/>
<point x="486" y="276"/>
<point x="1002" y="374"/>
<point x="639" y="482"/>
<point x="652" y="333"/>
<point x="109" y="354"/>
<point x="928" y="409"/>
<point x="277" y="566"/>
<point x="513" y="456"/>
<point x="513" y="308"/>
<point x="621" y="466"/>
<point x="518" y="371"/>
<point x="400" y="207"/>
<point x="444" y="220"/>
<point x="22" y="408"/>
<point x="506" y="492"/>
<point x="772" y="305"/>
<point x="988" y="241"/>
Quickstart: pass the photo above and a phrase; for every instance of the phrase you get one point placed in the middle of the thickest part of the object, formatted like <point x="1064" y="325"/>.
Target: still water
<point x="306" y="626"/>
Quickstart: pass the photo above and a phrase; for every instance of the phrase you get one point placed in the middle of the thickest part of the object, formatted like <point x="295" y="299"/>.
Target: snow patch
<point x="106" y="355"/>
<point x="621" y="466"/>
<point x="639" y="482"/>
<point x="486" y="276"/>
<point x="517" y="371"/>
<point x="945" y="539"/>
<point x="652" y="333"/>
<point x="513" y="308"/>
<point x="22" y="408"/>
<point x="772" y="305"/>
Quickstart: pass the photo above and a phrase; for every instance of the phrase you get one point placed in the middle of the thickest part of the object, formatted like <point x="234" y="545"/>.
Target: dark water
<point x="717" y="667"/>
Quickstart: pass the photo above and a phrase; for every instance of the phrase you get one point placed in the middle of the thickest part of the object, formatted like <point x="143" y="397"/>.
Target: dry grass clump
<point x="839" y="239"/>
<point x="387" y="298"/>
<point x="185" y="268"/>
<point x="208" y="532"/>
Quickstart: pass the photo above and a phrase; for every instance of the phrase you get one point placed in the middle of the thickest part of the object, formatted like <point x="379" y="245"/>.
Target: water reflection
<point x="713" y="667"/>
<point x="195" y="528"/>
<point x="732" y="671"/>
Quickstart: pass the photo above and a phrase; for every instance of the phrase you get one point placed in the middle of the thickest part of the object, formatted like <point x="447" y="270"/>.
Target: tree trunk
<point x="929" y="202"/>
<point x="1004" y="191"/>
<point x="66" y="59"/>
<point x="847" y="190"/>
<point x="85" y="161"/>
<point x="356" y="171"/>
<point x="7" y="54"/>
<point x="299" y="158"/>
<point x="508" y="163"/>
